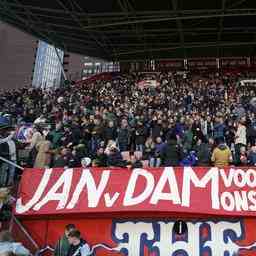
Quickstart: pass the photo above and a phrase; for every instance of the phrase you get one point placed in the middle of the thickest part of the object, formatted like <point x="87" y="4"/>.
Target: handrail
<point x="22" y="228"/>
<point x="11" y="163"/>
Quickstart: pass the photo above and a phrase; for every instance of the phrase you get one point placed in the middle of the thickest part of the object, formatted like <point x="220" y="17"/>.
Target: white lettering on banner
<point x="251" y="178"/>
<point x="166" y="247"/>
<point x="227" y="177"/>
<point x="93" y="193"/>
<point x="132" y="245"/>
<point x="110" y="201"/>
<point x="20" y="208"/>
<point x="239" y="177"/>
<point x="65" y="181"/>
<point x="168" y="176"/>
<point x="129" y="199"/>
<point x="158" y="237"/>
<point x="229" y="191"/>
<point x="252" y="199"/>
<point x="227" y="201"/>
<point x="190" y="176"/>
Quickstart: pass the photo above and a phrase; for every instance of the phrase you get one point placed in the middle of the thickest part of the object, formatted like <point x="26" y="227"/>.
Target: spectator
<point x="7" y="245"/>
<point x="240" y="138"/>
<point x="37" y="137"/>
<point x="159" y="146"/>
<point x="65" y="159"/>
<point x="43" y="158"/>
<point x="149" y="153"/>
<point x="123" y="136"/>
<point x="78" y="246"/>
<point x="7" y="151"/>
<point x="140" y="136"/>
<point x="243" y="157"/>
<point x="221" y="156"/>
<point x="203" y="153"/>
<point x="171" y="153"/>
<point x="62" y="246"/>
<point x="83" y="119"/>
<point x="252" y="156"/>
<point x="114" y="157"/>
<point x="101" y="157"/>
<point x="110" y="132"/>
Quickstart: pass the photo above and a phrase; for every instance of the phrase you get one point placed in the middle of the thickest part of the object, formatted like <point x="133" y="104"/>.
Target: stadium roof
<point x="139" y="29"/>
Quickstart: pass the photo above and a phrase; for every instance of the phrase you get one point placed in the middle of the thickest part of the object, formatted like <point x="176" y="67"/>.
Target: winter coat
<point x="43" y="157"/>
<point x="203" y="154"/>
<point x="221" y="156"/>
<point x="62" y="247"/>
<point x="171" y="154"/>
<point x="141" y="135"/>
<point x="115" y="159"/>
<point x="123" y="136"/>
<point x="110" y="133"/>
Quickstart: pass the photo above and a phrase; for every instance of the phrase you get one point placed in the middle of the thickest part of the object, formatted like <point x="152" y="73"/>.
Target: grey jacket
<point x="16" y="248"/>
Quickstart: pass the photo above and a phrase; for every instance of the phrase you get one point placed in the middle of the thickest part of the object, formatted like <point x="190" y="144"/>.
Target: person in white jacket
<point x="240" y="138"/>
<point x="7" y="245"/>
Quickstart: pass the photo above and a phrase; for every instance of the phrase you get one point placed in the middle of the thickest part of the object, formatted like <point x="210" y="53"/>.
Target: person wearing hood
<point x="221" y="156"/>
<point x="7" y="244"/>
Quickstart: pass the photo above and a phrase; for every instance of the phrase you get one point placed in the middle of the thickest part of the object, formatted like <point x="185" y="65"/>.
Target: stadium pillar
<point x="61" y="64"/>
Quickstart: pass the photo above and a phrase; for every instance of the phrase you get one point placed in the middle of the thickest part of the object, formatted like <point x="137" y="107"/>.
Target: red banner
<point x="165" y="190"/>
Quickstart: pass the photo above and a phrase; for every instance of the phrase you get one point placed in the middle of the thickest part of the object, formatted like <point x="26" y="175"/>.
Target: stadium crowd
<point x="197" y="120"/>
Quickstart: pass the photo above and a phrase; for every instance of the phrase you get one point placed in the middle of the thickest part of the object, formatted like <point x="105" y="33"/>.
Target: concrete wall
<point x="73" y="65"/>
<point x="17" y="56"/>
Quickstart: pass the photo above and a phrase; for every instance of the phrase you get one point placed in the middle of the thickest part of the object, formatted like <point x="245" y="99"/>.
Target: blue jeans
<point x="140" y="147"/>
<point x="154" y="162"/>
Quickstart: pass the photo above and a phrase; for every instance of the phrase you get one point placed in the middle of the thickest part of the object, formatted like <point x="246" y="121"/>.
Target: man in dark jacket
<point x="140" y="136"/>
<point x="110" y="132"/>
<point x="63" y="245"/>
<point x="115" y="158"/>
<point x="101" y="157"/>
<point x="78" y="246"/>
<point x="171" y="154"/>
<point x="203" y="153"/>
<point x="123" y="136"/>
